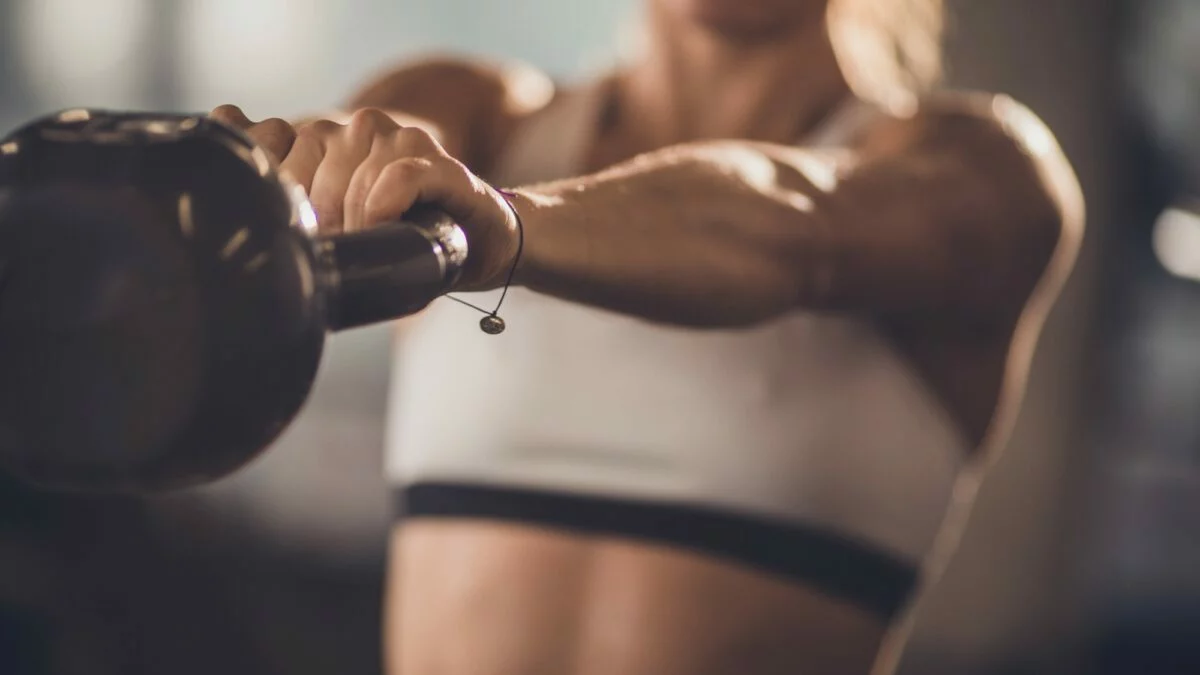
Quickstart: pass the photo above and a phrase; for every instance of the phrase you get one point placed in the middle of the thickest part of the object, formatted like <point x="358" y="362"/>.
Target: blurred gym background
<point x="1083" y="555"/>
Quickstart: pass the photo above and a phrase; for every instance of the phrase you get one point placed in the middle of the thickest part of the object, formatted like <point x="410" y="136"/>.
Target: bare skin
<point x="953" y="227"/>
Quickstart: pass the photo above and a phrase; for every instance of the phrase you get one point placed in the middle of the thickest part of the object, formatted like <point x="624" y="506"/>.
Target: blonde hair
<point x="890" y="50"/>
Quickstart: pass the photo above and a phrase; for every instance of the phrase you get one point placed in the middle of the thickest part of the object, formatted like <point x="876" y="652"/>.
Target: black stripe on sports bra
<point x="836" y="565"/>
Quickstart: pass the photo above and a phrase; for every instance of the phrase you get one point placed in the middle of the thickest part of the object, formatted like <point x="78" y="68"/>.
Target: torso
<point x="481" y="595"/>
<point x="489" y="598"/>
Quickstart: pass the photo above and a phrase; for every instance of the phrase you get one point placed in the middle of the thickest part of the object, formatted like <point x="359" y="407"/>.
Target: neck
<point x="694" y="84"/>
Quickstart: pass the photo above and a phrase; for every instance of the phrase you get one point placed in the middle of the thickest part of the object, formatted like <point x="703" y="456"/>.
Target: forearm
<point x="957" y="220"/>
<point x="703" y="235"/>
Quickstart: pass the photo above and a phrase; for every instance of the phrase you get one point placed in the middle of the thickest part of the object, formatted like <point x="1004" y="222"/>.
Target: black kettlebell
<point x="164" y="300"/>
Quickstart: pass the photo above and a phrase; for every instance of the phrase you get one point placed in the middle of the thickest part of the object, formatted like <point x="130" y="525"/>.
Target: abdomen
<point x="486" y="598"/>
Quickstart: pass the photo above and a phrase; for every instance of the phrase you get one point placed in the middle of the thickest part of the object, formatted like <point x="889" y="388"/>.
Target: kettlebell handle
<point x="391" y="270"/>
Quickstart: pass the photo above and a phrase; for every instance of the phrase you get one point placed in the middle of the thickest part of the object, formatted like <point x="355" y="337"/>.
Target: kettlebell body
<point x="161" y="313"/>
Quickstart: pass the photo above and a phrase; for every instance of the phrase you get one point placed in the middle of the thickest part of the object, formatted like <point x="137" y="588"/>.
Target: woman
<point x="775" y="304"/>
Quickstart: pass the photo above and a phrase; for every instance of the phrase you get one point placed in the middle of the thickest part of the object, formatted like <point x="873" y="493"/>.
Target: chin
<point x="749" y="19"/>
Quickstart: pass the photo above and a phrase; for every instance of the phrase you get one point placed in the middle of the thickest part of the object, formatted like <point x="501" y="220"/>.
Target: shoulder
<point x="1005" y="143"/>
<point x="445" y="82"/>
<point x="476" y="102"/>
<point x="1002" y="155"/>
<point x="991" y="176"/>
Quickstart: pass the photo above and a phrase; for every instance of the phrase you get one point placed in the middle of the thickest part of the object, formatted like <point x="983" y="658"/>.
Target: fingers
<point x="416" y="142"/>
<point x="404" y="143"/>
<point x="369" y="170"/>
<point x="308" y="151"/>
<point x="231" y="115"/>
<point x="487" y="220"/>
<point x="274" y="135"/>
<point x="441" y="180"/>
<point x="361" y="148"/>
<point x="331" y="180"/>
<point x="397" y="187"/>
<point x="359" y="188"/>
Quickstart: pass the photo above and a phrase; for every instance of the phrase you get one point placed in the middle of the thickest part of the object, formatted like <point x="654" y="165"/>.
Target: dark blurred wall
<point x="1004" y="606"/>
<point x="1139" y="569"/>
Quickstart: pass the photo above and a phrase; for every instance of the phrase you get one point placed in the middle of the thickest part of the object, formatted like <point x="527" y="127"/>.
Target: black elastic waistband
<point x="837" y="566"/>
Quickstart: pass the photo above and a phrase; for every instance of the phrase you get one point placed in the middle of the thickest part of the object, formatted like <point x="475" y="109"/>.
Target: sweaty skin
<point x="953" y="226"/>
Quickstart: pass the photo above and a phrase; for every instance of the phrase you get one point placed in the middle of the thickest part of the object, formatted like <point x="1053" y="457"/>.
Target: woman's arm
<point x="957" y="213"/>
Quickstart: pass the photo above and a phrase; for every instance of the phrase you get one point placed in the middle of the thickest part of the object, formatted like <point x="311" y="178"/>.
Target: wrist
<point x="532" y="212"/>
<point x="555" y="222"/>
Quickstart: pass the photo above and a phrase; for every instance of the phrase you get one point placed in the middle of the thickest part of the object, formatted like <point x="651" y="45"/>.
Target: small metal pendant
<point x="492" y="324"/>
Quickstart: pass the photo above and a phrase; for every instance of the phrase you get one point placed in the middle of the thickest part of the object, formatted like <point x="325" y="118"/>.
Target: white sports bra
<point x="806" y="446"/>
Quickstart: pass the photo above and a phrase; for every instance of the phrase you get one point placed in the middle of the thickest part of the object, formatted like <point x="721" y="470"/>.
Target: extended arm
<point x="956" y="214"/>
<point x="959" y="215"/>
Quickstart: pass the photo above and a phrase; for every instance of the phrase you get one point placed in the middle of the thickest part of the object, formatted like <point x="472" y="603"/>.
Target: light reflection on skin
<point x="1024" y="126"/>
<point x="761" y="173"/>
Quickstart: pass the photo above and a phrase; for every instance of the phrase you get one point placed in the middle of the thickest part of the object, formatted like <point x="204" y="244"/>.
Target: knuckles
<point x="316" y="134"/>
<point x="386" y="154"/>
<point x="275" y="126"/>
<point x="366" y="128"/>
<point x="230" y="114"/>
<point x="275" y="134"/>
<point x="319" y="129"/>
<point x="417" y="140"/>
<point x="367" y="123"/>
<point x="408" y="170"/>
